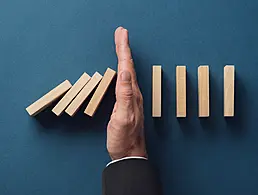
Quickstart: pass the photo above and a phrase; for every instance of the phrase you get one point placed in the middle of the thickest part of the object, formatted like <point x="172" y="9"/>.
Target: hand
<point x="125" y="131"/>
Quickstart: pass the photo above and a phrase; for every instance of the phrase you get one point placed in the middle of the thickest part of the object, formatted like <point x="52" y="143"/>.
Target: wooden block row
<point x="75" y="95"/>
<point x="79" y="92"/>
<point x="203" y="91"/>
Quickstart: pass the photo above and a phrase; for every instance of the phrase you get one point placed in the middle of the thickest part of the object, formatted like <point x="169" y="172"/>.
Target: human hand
<point x="125" y="131"/>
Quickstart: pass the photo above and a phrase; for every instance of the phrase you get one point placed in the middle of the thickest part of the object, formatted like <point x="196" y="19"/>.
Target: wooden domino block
<point x="181" y="91"/>
<point x="71" y="94"/>
<point x="48" y="98"/>
<point x="229" y="88"/>
<point x="203" y="91"/>
<point x="100" y="92"/>
<point x="82" y="96"/>
<point x="156" y="91"/>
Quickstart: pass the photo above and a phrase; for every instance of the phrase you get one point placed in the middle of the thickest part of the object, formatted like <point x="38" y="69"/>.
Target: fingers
<point x="124" y="94"/>
<point x="123" y="52"/>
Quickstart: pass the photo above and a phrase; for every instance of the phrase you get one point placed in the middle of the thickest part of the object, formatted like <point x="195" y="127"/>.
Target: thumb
<point x="124" y="94"/>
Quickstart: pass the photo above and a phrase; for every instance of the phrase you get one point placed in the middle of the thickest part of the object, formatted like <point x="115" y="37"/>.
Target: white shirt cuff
<point x="125" y="158"/>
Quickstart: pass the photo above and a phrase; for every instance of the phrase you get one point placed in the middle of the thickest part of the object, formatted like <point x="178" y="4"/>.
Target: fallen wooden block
<point x="229" y="88"/>
<point x="203" y="91"/>
<point x="156" y="90"/>
<point x="71" y="94"/>
<point x="181" y="91"/>
<point x="82" y="96"/>
<point x="48" y="98"/>
<point x="100" y="92"/>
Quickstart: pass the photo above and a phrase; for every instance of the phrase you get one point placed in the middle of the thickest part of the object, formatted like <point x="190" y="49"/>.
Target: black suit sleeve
<point x="130" y="177"/>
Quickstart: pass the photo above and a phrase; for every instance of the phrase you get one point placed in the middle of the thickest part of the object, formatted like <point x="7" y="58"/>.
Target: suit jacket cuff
<point x="125" y="158"/>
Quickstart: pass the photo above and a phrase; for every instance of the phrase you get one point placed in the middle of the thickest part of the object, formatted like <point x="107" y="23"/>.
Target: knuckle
<point x="109" y="126"/>
<point x="112" y="124"/>
<point x="129" y="121"/>
<point x="126" y="122"/>
<point x="122" y="45"/>
<point x="128" y="60"/>
<point x="132" y="119"/>
<point x="127" y="94"/>
<point x="127" y="103"/>
<point x="139" y="98"/>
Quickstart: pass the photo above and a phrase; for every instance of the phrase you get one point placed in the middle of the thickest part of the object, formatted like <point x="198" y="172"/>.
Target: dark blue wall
<point x="43" y="42"/>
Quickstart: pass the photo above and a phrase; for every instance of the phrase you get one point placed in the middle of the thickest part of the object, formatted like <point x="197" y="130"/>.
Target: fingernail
<point x="125" y="76"/>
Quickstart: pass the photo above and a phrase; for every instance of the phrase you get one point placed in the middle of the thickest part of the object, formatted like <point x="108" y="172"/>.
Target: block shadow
<point x="237" y="123"/>
<point x="167" y="104"/>
<point x="210" y="124"/>
<point x="187" y="123"/>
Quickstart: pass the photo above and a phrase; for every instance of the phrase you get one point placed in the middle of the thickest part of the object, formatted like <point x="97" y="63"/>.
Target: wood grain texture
<point x="82" y="96"/>
<point x="203" y="91"/>
<point x="156" y="90"/>
<point x="229" y="90"/>
<point x="48" y="98"/>
<point x="181" y="91"/>
<point x="100" y="92"/>
<point x="71" y="94"/>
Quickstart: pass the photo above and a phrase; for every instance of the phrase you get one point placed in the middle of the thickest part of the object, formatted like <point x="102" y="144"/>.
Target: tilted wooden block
<point x="48" y="98"/>
<point x="156" y="90"/>
<point x="203" y="91"/>
<point x="82" y="96"/>
<point x="181" y="91"/>
<point x="229" y="89"/>
<point x="71" y="94"/>
<point x="100" y="92"/>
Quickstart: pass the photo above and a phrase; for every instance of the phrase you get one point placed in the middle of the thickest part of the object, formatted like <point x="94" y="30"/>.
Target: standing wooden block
<point x="203" y="91"/>
<point x="181" y="91"/>
<point x="229" y="88"/>
<point x="156" y="91"/>
<point x="48" y="98"/>
<point x="71" y="94"/>
<point x="82" y="96"/>
<point x="100" y="92"/>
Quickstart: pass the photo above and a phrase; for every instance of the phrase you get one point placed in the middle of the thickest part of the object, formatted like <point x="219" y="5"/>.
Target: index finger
<point x="123" y="51"/>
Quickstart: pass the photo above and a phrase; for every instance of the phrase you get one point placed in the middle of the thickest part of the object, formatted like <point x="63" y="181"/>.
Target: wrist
<point x="133" y="153"/>
<point x="139" y="153"/>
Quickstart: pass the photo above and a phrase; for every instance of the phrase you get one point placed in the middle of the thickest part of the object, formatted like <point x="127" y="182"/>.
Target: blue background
<point x="44" y="42"/>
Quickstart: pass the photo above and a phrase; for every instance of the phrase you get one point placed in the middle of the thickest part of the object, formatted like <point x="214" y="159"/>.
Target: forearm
<point x="130" y="177"/>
